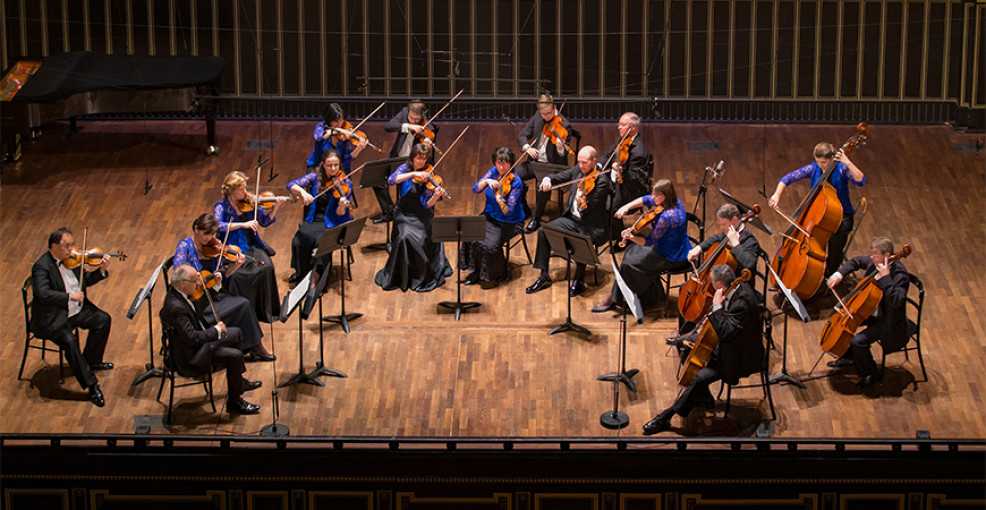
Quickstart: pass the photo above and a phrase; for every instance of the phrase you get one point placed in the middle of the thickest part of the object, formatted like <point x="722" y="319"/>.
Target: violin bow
<point x="82" y="271"/>
<point x="442" y="109"/>
<point x="375" y="110"/>
<point x="347" y="176"/>
<point x="449" y="148"/>
<point x="615" y="151"/>
<point x="205" y="290"/>
<point x="594" y="173"/>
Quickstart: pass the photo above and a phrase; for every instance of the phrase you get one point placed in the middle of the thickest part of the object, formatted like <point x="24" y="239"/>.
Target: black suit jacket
<point x="891" y="316"/>
<point x="636" y="173"/>
<point x="595" y="217"/>
<point x="394" y="126"/>
<point x="190" y="339"/>
<point x="532" y="132"/>
<point x="737" y="324"/>
<point x="49" y="310"/>
<point x="745" y="252"/>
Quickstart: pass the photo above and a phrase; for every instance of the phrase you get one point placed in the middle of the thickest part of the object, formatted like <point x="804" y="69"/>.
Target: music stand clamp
<point x="615" y="419"/>
<point x="375" y="173"/>
<point x="576" y="248"/>
<point x="458" y="229"/>
<point x="144" y="294"/>
<point x="337" y="238"/>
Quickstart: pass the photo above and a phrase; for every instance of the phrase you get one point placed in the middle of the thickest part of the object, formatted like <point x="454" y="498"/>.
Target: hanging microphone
<point x="717" y="171"/>
<point x="506" y="118"/>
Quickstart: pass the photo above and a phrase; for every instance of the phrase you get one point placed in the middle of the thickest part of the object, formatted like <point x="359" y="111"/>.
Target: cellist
<point x="737" y="323"/>
<point x="845" y="172"/>
<point x="743" y="246"/>
<point x="539" y="147"/>
<point x="889" y="323"/>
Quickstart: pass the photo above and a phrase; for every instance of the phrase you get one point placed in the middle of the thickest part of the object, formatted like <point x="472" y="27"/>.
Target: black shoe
<point x="868" y="381"/>
<point x="532" y="227"/>
<point x="260" y="356"/>
<point x="541" y="283"/>
<point x="471" y="279"/>
<point x="101" y="366"/>
<point x="604" y="306"/>
<point x="657" y="424"/>
<point x="673" y="340"/>
<point x="577" y="288"/>
<point x="96" y="396"/>
<point x="240" y="406"/>
<point x="841" y="363"/>
<point x="380" y="219"/>
<point x="708" y="402"/>
<point x="295" y="277"/>
<point x="251" y="385"/>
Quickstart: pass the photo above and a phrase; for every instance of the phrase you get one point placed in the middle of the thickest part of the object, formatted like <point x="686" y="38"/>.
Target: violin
<point x="230" y="253"/>
<point x="586" y="186"/>
<point x="266" y="201"/>
<point x="695" y="296"/>
<point x="858" y="305"/>
<point x="207" y="280"/>
<point x="433" y="181"/>
<point x="624" y="154"/>
<point x="347" y="133"/>
<point x="339" y="187"/>
<point x="707" y="339"/>
<point x="93" y="257"/>
<point x="645" y="218"/>
<point x="554" y="131"/>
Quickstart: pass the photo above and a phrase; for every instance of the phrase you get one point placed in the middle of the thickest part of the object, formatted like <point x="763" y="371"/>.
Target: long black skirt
<point x="304" y="243"/>
<point x="235" y="311"/>
<point x="416" y="262"/>
<point x="486" y="257"/>
<point x="258" y="284"/>
<point x="641" y="269"/>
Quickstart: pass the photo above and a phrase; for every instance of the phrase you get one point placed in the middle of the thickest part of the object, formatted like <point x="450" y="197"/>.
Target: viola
<point x="624" y="155"/>
<point x="695" y="296"/>
<point x="586" y="186"/>
<point x="645" y="218"/>
<point x="214" y="248"/>
<point x="707" y="339"/>
<point x="858" y="305"/>
<point x="339" y="187"/>
<point x="502" y="192"/>
<point x="93" y="257"/>
<point x="266" y="201"/>
<point x="555" y="132"/>
<point x="346" y="132"/>
<point x="433" y="181"/>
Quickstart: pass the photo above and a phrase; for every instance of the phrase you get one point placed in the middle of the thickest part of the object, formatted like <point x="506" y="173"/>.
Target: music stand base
<point x="568" y="325"/>
<point x="275" y="430"/>
<point x="151" y="372"/>
<point x="321" y="369"/>
<point x="623" y="377"/>
<point x="459" y="307"/>
<point x="614" y="420"/>
<point x="342" y="320"/>
<point x="301" y="377"/>
<point x="784" y="377"/>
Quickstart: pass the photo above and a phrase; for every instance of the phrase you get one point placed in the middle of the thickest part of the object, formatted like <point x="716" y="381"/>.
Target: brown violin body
<point x="230" y="253"/>
<point x="208" y="280"/>
<point x="645" y="219"/>
<point x="706" y="341"/>
<point x="93" y="257"/>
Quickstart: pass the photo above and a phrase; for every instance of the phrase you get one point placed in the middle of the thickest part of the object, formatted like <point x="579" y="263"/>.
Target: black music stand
<point x="802" y="312"/>
<point x="291" y="302"/>
<point x="743" y="208"/>
<point x="375" y="173"/>
<point x="576" y="248"/>
<point x="458" y="229"/>
<point x="144" y="294"/>
<point x="615" y="419"/>
<point x="337" y="238"/>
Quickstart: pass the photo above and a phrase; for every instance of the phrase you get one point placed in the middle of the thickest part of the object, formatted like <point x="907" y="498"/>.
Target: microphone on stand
<point x="717" y="171"/>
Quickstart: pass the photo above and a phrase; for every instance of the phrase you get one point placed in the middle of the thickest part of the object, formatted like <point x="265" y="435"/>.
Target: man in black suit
<point x="60" y="305"/>
<point x="408" y="124"/>
<point x="539" y="148"/>
<point x="202" y="348"/>
<point x="633" y="169"/>
<point x="590" y="220"/>
<point x="889" y="323"/>
<point x="739" y="353"/>
<point x="742" y="244"/>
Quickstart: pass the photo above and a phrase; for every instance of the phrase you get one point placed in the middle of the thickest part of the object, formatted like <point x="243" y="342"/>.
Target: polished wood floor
<point x="413" y="370"/>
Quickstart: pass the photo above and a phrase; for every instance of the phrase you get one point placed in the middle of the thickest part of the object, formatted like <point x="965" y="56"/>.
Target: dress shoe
<point x="604" y="306"/>
<point x="657" y="424"/>
<point x="251" y="385"/>
<point x="576" y="289"/>
<point x="542" y="282"/>
<point x="841" y="363"/>
<point x="260" y="354"/>
<point x="294" y="278"/>
<point x="532" y="227"/>
<point x="868" y="381"/>
<point x="471" y="279"/>
<point x="673" y="340"/>
<point x="240" y="406"/>
<point x="101" y="366"/>
<point x="96" y="396"/>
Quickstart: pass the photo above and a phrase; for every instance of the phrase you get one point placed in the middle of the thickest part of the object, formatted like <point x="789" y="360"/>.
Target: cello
<point x="858" y="305"/>
<point x="695" y="296"/>
<point x="800" y="260"/>
<point x="707" y="339"/>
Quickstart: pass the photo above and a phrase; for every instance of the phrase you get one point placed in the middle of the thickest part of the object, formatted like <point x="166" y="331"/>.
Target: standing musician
<point x="233" y="309"/>
<point x="409" y="124"/>
<point x="844" y="173"/>
<point x="326" y="138"/>
<point x="585" y="213"/>
<point x="533" y="141"/>
<point x="737" y="323"/>
<point x="664" y="248"/>
<point x="330" y="209"/>
<point x="630" y="173"/>
<point x="742" y="244"/>
<point x="203" y="348"/>
<point x="60" y="305"/>
<point x="415" y="262"/>
<point x="889" y="323"/>
<point x="504" y="217"/>
<point x="254" y="281"/>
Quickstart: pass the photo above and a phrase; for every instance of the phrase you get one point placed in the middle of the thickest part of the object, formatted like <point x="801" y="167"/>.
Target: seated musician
<point x="324" y="212"/>
<point x="663" y="249"/>
<point x="585" y="213"/>
<point x="202" y="348"/>
<point x="409" y="124"/>
<point x="415" y="261"/>
<point x="255" y="281"/>
<point x="326" y="138"/>
<point x="844" y="173"/>
<point x="234" y="310"/>
<point x="743" y="246"/>
<point x="504" y="217"/>
<point x="631" y="176"/>
<point x="889" y="323"/>
<point x="60" y="305"/>
<point x="736" y="321"/>
<point x="538" y="148"/>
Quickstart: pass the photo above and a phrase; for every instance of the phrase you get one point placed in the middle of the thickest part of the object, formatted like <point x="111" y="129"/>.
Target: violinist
<point x="60" y="305"/>
<point x="409" y="124"/>
<point x="630" y="174"/>
<point x="844" y="172"/>
<point x="329" y="134"/>
<point x="737" y="323"/>
<point x="504" y="217"/>
<point x="233" y="310"/>
<point x="538" y="146"/>
<point x="889" y="323"/>
<point x="330" y="209"/>
<point x="743" y="246"/>
<point x="584" y="213"/>
<point x="415" y="261"/>
<point x="663" y="248"/>
<point x="254" y="281"/>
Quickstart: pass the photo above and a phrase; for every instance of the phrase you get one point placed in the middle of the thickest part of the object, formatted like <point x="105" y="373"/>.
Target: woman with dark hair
<point x="324" y="212"/>
<point x="330" y="135"/>
<point x="665" y="247"/>
<point x="415" y="262"/>
<point x="504" y="215"/>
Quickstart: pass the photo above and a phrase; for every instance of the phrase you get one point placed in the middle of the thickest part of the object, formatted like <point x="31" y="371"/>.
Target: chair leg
<point x="27" y="346"/>
<point x="160" y="387"/>
<point x="765" y="381"/>
<point x="171" y="396"/>
<point x="523" y="239"/>
<point x="208" y="390"/>
<point x="924" y="372"/>
<point x="729" y="398"/>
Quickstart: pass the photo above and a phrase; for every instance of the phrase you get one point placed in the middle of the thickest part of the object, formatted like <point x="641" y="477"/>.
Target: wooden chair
<point x="913" y="328"/>
<point x="27" y="296"/>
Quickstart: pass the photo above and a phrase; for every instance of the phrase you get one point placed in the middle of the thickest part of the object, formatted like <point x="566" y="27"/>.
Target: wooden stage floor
<point x="413" y="370"/>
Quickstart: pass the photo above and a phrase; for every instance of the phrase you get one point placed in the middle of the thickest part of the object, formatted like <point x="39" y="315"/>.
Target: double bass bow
<point x="800" y="260"/>
<point x="707" y="339"/>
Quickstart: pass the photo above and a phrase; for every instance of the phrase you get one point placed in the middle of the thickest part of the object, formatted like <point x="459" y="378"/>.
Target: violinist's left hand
<point x="719" y="298"/>
<point x="733" y="236"/>
<point x="882" y="270"/>
<point x="560" y="146"/>
<point x="105" y="264"/>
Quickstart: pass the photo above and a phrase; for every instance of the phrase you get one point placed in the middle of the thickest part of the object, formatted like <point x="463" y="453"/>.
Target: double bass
<point x="707" y="339"/>
<point x="800" y="260"/>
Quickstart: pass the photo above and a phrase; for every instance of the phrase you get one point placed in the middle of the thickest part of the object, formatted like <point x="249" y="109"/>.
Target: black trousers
<point x="97" y="322"/>
<point x="542" y="255"/>
<point x="837" y="244"/>
<point x="225" y="353"/>
<point x="525" y="173"/>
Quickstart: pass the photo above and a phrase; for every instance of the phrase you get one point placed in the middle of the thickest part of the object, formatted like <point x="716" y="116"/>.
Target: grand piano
<point x="68" y="85"/>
